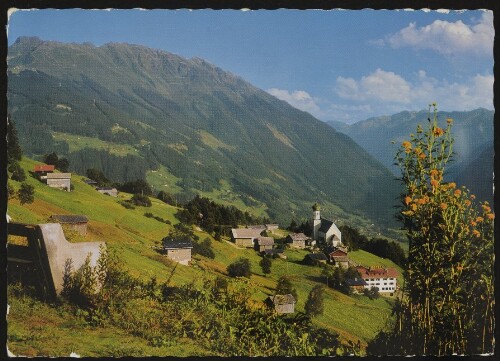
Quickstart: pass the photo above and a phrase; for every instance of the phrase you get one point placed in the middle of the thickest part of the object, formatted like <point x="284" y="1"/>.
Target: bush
<point x="127" y="204"/>
<point x="371" y="293"/>
<point x="265" y="263"/>
<point x="141" y="200"/>
<point x="166" y="197"/>
<point x="240" y="268"/>
<point x="26" y="193"/>
<point x="17" y="172"/>
<point x="204" y="248"/>
<point x="284" y="286"/>
<point x="314" y="303"/>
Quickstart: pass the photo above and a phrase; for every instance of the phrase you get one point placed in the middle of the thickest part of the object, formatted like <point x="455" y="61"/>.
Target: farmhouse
<point x="110" y="191"/>
<point x="281" y="303"/>
<point x="177" y="250"/>
<point x="59" y="180"/>
<point x="297" y="240"/>
<point x="264" y="243"/>
<point x="315" y="258"/>
<point x="382" y="278"/>
<point x="325" y="231"/>
<point x="41" y="170"/>
<point x="339" y="257"/>
<point x="77" y="223"/>
<point x="245" y="237"/>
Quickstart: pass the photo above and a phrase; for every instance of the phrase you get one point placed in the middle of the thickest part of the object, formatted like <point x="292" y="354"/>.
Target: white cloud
<point x="448" y="38"/>
<point x="299" y="99"/>
<point x="380" y="85"/>
<point x="387" y="90"/>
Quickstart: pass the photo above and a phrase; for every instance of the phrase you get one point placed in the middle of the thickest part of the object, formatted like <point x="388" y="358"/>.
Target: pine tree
<point x="314" y="305"/>
<point x="26" y="193"/>
<point x="14" y="152"/>
<point x="265" y="263"/>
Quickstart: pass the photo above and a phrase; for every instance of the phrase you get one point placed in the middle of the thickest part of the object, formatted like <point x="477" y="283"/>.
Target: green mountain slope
<point x="472" y="130"/>
<point x="132" y="236"/>
<point x="206" y="129"/>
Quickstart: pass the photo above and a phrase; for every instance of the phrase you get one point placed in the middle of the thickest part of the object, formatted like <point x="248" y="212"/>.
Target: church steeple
<point x="316" y="221"/>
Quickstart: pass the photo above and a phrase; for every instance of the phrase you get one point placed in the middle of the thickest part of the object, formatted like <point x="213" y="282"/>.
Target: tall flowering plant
<point x="447" y="303"/>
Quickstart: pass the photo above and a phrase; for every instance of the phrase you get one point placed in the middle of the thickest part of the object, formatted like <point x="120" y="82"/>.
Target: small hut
<point x="77" y="223"/>
<point x="281" y="303"/>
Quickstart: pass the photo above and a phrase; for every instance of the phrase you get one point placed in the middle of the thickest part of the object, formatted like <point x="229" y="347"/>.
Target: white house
<point x="385" y="279"/>
<point x="325" y="231"/>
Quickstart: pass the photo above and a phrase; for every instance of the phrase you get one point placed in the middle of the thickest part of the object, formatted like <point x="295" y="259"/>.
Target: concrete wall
<point x="183" y="255"/>
<point x="58" y="250"/>
<point x="62" y="183"/>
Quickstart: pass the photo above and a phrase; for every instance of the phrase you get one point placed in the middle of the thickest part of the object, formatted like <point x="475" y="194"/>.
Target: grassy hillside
<point x="133" y="235"/>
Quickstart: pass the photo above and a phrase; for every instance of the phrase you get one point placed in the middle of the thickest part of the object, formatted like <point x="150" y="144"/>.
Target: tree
<point x="166" y="197"/>
<point x="141" y="200"/>
<point x="10" y="191"/>
<point x="26" y="193"/>
<point x="314" y="304"/>
<point x="204" y="248"/>
<point x="51" y="159"/>
<point x="284" y="286"/>
<point x="240" y="268"/>
<point x="265" y="263"/>
<point x="14" y="152"/>
<point x="137" y="186"/>
<point x="450" y="258"/>
<point x="17" y="172"/>
<point x="97" y="176"/>
<point x="62" y="164"/>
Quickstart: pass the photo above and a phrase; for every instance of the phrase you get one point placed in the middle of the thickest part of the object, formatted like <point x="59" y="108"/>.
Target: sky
<point x="338" y="65"/>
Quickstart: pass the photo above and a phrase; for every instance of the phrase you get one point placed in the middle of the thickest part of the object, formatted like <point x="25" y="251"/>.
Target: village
<point x="324" y="244"/>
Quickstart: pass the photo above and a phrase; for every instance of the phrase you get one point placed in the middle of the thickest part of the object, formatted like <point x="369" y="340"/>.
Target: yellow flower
<point x="486" y="208"/>
<point x="449" y="120"/>
<point x="406" y="144"/>
<point x="438" y="131"/>
<point x="443" y="206"/>
<point x="423" y="200"/>
<point x="413" y="207"/>
<point x="479" y="219"/>
<point x="434" y="183"/>
<point x="467" y="203"/>
<point x="407" y="200"/>
<point x="434" y="173"/>
<point x="407" y="213"/>
<point x="473" y="224"/>
<point x="421" y="156"/>
<point x="452" y="185"/>
<point x="457" y="192"/>
<point x="491" y="216"/>
<point x="476" y="233"/>
<point x="472" y="196"/>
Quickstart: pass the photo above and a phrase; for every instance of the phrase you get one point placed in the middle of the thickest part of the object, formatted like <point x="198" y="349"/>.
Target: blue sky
<point x="338" y="65"/>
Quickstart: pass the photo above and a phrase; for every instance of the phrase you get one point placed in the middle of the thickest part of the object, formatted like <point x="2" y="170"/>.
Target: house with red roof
<point x="385" y="279"/>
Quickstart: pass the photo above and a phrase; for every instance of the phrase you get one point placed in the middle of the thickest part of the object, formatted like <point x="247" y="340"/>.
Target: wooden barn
<point x="77" y="223"/>
<point x="297" y="240"/>
<point x="177" y="250"/>
<point x="281" y="303"/>
<point x="339" y="258"/>
<point x="245" y="237"/>
<point x="264" y="243"/>
<point x="315" y="259"/>
<point x="59" y="180"/>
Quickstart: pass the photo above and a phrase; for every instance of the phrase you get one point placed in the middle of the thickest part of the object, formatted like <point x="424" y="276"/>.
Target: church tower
<point x="316" y="221"/>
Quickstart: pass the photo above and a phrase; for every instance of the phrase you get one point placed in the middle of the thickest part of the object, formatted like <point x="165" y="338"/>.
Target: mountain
<point x="189" y="127"/>
<point x="472" y="130"/>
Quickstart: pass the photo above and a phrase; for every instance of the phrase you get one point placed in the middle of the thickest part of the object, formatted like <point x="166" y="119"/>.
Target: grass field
<point x="78" y="142"/>
<point x="133" y="235"/>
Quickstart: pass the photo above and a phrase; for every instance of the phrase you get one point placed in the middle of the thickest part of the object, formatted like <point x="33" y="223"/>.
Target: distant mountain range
<point x="200" y="128"/>
<point x="473" y="147"/>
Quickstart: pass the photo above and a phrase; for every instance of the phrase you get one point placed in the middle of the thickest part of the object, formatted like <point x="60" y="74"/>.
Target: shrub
<point x="240" y="268"/>
<point x="204" y="248"/>
<point x="17" y="172"/>
<point x="141" y="200"/>
<point x="265" y="263"/>
<point x="26" y="193"/>
<point x="314" y="303"/>
<point x="127" y="204"/>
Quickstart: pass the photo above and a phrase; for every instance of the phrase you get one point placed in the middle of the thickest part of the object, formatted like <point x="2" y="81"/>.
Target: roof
<point x="282" y="299"/>
<point x="272" y="251"/>
<point x="379" y="272"/>
<point x="317" y="256"/>
<point x="169" y="243"/>
<point x="298" y="237"/>
<point x="340" y="258"/>
<point x="265" y="241"/>
<point x="44" y="168"/>
<point x="58" y="175"/>
<point x="272" y="225"/>
<point x="257" y="226"/>
<point x="325" y="225"/>
<point x="69" y="218"/>
<point x="246" y="232"/>
<point x="338" y="253"/>
<point x="355" y="282"/>
<point x="106" y="189"/>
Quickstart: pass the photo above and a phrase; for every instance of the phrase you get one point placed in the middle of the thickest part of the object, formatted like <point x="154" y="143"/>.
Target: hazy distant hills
<point x="208" y="129"/>
<point x="472" y="130"/>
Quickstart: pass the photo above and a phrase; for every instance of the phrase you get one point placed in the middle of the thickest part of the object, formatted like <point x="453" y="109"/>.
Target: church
<point x="325" y="231"/>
